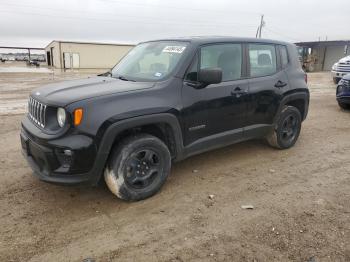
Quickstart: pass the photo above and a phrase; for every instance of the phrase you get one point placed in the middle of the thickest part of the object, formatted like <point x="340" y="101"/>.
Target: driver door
<point x="217" y="109"/>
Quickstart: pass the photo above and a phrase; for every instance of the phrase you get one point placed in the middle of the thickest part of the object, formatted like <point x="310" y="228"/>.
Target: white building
<point x="84" y="55"/>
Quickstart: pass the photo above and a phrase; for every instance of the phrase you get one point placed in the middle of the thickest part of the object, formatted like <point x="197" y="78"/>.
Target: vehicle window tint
<point x="192" y="73"/>
<point x="228" y="57"/>
<point x="262" y="59"/>
<point x="284" y="56"/>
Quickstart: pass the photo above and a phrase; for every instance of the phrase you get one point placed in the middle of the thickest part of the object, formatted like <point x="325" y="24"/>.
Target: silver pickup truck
<point x="340" y="69"/>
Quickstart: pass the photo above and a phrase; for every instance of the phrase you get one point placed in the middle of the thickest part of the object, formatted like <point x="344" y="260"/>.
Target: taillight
<point x="305" y="78"/>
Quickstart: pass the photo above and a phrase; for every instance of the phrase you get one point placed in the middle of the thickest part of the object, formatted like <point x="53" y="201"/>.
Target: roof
<point x="324" y="43"/>
<point x="192" y="39"/>
<point x="216" y="39"/>
<point x="88" y="43"/>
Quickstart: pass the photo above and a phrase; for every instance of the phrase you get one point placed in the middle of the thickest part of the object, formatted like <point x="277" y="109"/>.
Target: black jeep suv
<point x="164" y="101"/>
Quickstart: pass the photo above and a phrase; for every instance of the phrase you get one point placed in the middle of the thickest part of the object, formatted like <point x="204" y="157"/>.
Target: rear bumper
<point x="67" y="160"/>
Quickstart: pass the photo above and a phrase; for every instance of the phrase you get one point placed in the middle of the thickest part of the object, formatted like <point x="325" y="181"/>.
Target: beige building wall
<point x="53" y="48"/>
<point x="91" y="55"/>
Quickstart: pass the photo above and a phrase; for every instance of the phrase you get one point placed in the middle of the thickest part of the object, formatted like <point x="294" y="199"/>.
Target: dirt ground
<point x="300" y="198"/>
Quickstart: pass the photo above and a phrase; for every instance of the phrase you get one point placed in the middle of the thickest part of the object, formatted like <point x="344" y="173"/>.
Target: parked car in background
<point x="340" y="69"/>
<point x="33" y="63"/>
<point x="165" y="101"/>
<point x="343" y="92"/>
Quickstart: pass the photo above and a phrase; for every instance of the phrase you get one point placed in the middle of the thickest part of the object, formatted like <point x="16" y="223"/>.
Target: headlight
<point x="334" y="67"/>
<point x="61" y="116"/>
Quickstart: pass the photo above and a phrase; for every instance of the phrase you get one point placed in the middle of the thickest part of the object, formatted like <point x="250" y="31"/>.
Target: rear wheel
<point x="138" y="167"/>
<point x="287" y="129"/>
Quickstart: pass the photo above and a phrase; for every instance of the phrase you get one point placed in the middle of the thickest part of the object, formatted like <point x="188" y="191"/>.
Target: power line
<point x="155" y="22"/>
<point x="148" y="5"/>
<point x="283" y="35"/>
<point x="151" y="21"/>
<point x="183" y="8"/>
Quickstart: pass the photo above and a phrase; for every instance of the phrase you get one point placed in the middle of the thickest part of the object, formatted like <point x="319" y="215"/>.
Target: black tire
<point x="287" y="129"/>
<point x="344" y="106"/>
<point x="138" y="167"/>
<point x="336" y="80"/>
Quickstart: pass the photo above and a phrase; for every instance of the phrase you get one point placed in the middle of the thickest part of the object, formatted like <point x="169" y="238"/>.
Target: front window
<point x="227" y="57"/>
<point x="150" y="61"/>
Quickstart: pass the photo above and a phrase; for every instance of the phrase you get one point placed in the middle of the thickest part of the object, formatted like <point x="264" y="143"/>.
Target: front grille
<point x="346" y="84"/>
<point x="37" y="112"/>
<point x="343" y="67"/>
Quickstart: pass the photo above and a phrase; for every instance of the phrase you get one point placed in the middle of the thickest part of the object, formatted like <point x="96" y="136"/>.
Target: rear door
<point x="267" y="83"/>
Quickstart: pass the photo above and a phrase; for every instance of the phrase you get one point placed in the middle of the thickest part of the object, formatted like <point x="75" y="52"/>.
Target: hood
<point x="64" y="93"/>
<point x="345" y="59"/>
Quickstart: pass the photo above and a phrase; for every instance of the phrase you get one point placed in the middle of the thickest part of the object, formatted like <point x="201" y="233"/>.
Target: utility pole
<point x="258" y="31"/>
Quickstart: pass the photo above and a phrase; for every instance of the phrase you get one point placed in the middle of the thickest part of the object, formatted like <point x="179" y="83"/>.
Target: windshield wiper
<point x="108" y="73"/>
<point x="125" y="79"/>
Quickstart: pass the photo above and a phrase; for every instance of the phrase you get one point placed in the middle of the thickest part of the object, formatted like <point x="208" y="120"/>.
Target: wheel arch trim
<point x="114" y="129"/>
<point x="305" y="96"/>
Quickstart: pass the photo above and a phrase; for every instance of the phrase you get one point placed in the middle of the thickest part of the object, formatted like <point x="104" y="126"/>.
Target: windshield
<point x="151" y="61"/>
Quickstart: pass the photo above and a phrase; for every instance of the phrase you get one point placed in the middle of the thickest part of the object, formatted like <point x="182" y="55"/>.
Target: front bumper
<point x="344" y="99"/>
<point x="66" y="160"/>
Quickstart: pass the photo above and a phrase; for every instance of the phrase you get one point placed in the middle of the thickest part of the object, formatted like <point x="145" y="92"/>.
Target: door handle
<point x="280" y="84"/>
<point x="238" y="92"/>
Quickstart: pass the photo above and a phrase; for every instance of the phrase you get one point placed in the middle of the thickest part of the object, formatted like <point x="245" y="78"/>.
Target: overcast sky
<point x="35" y="23"/>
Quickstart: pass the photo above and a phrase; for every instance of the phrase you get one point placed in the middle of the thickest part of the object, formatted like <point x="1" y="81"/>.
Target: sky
<point x="35" y="23"/>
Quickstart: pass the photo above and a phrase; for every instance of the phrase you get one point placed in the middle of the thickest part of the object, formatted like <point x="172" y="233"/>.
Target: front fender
<point x="107" y="137"/>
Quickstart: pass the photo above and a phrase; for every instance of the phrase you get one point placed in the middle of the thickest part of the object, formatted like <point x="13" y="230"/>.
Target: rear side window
<point x="228" y="57"/>
<point x="284" y="56"/>
<point x="262" y="59"/>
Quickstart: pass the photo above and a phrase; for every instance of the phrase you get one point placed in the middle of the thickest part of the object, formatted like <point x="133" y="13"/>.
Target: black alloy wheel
<point x="142" y="167"/>
<point x="138" y="167"/>
<point x="287" y="128"/>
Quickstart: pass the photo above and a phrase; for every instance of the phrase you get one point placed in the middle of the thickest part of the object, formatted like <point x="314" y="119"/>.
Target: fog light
<point x="64" y="157"/>
<point x="67" y="152"/>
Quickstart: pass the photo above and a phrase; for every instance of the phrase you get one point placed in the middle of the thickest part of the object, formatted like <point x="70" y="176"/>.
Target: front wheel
<point x="287" y="129"/>
<point x="336" y="80"/>
<point x="138" y="167"/>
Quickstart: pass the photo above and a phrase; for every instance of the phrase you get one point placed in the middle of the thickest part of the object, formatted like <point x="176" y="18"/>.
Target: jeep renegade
<point x="166" y="100"/>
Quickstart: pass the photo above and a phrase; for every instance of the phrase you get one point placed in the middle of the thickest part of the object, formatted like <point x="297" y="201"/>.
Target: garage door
<point x="71" y="60"/>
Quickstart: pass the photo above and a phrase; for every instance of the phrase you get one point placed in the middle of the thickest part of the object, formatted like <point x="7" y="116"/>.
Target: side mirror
<point x="209" y="76"/>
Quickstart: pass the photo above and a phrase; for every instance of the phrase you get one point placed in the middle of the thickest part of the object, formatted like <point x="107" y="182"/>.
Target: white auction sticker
<point x="158" y="74"/>
<point x="174" y="49"/>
